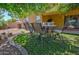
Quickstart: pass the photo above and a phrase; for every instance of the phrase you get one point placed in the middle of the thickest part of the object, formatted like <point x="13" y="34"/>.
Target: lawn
<point x="74" y="38"/>
<point x="71" y="36"/>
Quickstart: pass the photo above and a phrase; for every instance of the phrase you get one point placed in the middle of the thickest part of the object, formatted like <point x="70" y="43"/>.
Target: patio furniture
<point x="29" y="27"/>
<point x="37" y="27"/>
<point x="48" y="26"/>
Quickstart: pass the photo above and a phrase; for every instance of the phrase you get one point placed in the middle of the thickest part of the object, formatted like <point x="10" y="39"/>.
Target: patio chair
<point x="37" y="27"/>
<point x="49" y="27"/>
<point x="25" y="25"/>
<point x="28" y="26"/>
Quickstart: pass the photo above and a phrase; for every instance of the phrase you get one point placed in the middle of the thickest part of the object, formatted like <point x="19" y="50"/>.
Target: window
<point x="71" y="21"/>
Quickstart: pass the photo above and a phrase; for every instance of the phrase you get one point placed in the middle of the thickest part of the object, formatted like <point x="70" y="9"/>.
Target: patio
<point x="39" y="29"/>
<point x="14" y="31"/>
<point x="7" y="46"/>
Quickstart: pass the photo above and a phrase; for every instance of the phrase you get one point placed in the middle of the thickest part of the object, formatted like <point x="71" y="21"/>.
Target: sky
<point x="6" y="16"/>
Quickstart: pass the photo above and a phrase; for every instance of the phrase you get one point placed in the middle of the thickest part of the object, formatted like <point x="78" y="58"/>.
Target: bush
<point x="44" y="44"/>
<point x="21" y="39"/>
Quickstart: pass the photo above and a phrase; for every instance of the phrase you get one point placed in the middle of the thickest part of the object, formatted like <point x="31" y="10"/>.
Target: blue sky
<point x="6" y="16"/>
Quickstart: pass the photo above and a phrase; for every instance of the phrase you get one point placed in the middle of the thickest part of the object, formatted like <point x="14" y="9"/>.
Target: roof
<point x="52" y="13"/>
<point x="74" y="11"/>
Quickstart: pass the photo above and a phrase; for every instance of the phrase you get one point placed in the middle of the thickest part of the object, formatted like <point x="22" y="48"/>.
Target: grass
<point x="74" y="38"/>
<point x="71" y="36"/>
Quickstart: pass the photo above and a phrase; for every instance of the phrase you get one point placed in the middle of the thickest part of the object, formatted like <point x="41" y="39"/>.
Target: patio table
<point x="48" y="27"/>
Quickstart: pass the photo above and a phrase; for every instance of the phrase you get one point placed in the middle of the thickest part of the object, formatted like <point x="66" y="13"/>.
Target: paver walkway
<point x="14" y="31"/>
<point x="8" y="47"/>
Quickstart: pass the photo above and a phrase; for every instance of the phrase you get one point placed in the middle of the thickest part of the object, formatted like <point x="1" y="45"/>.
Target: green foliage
<point x="22" y="10"/>
<point x="46" y="44"/>
<point x="2" y="22"/>
<point x="21" y="39"/>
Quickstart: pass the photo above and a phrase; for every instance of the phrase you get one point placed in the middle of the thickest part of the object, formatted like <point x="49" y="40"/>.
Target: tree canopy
<point x="25" y="9"/>
<point x="2" y="22"/>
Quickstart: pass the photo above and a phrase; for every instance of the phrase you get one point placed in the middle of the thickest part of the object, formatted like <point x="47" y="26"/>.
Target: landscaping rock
<point x="8" y="47"/>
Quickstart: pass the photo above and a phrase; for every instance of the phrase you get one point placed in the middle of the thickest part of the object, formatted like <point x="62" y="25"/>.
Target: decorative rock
<point x="8" y="47"/>
<point x="11" y="50"/>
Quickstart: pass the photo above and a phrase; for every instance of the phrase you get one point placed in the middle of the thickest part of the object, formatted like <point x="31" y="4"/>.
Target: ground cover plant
<point x="47" y="44"/>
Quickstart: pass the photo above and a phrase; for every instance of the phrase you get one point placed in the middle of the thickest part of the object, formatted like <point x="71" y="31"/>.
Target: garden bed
<point x="47" y="44"/>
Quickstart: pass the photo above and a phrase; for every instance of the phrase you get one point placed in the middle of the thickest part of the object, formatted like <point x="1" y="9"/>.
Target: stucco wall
<point x="33" y="17"/>
<point x="73" y="12"/>
<point x="58" y="19"/>
<point x="15" y="25"/>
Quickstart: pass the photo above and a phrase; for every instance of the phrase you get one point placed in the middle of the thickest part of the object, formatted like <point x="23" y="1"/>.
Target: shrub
<point x="21" y="39"/>
<point x="44" y="44"/>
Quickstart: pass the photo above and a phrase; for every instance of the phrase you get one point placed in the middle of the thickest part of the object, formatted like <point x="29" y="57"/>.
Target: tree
<point x="2" y="22"/>
<point x="23" y="10"/>
<point x="17" y="10"/>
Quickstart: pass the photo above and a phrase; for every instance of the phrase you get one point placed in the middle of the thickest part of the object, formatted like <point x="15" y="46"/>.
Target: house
<point x="17" y="24"/>
<point x="69" y="19"/>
